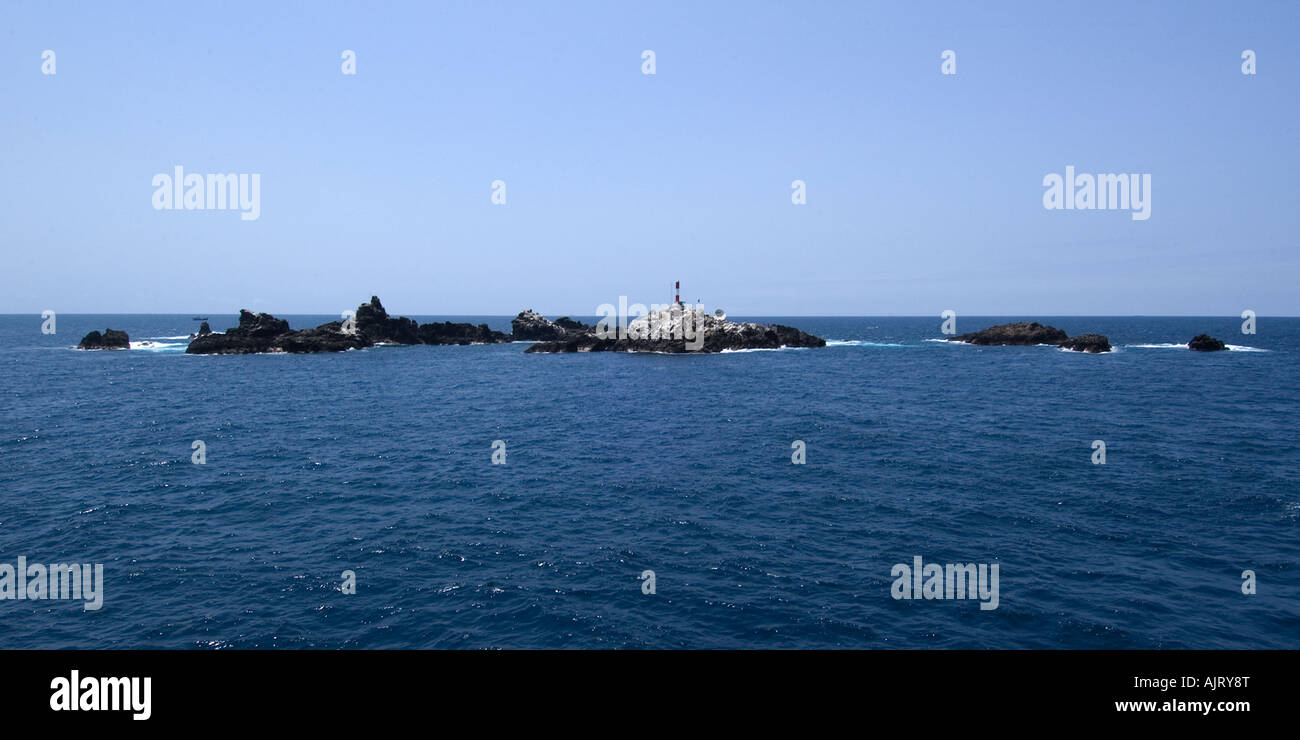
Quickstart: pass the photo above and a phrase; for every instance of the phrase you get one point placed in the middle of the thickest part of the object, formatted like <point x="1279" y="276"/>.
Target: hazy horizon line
<point x="558" y="314"/>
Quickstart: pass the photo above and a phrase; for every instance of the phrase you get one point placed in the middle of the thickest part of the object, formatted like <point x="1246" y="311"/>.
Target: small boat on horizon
<point x="199" y="318"/>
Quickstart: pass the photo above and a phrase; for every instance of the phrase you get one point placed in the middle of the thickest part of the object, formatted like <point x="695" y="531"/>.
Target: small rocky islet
<point x="110" y="339"/>
<point x="1206" y="343"/>
<point x="1032" y="333"/>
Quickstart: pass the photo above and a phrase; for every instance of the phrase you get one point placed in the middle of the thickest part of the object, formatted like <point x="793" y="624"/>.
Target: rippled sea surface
<point x="379" y="461"/>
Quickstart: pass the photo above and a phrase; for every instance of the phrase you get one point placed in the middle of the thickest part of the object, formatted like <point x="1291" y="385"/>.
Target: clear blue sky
<point x="924" y="190"/>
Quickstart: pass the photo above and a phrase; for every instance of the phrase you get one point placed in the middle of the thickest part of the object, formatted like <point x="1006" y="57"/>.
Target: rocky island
<point x="676" y="329"/>
<point x="110" y="339"/>
<point x="671" y="330"/>
<point x="1025" y="333"/>
<point x="1206" y="343"/>
<point x="1031" y="333"/>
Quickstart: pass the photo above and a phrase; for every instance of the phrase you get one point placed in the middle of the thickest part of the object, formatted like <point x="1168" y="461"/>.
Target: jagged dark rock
<point x="256" y="332"/>
<point x="259" y="325"/>
<point x="227" y="344"/>
<point x="571" y="326"/>
<point x="376" y="325"/>
<point x="1095" y="343"/>
<point x="451" y="333"/>
<point x="532" y="326"/>
<point x="1025" y="333"/>
<point x="667" y="331"/>
<point x="259" y="332"/>
<point x="1206" y="343"/>
<point x="585" y="343"/>
<point x="324" y="338"/>
<point x="204" y="329"/>
<point x="110" y="339"/>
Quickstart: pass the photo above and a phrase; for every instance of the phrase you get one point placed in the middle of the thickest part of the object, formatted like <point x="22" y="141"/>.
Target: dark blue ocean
<point x="379" y="462"/>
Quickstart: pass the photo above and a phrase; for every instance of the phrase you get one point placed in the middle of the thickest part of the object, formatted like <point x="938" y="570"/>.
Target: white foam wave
<point x="1112" y="350"/>
<point x="782" y="348"/>
<point x="860" y="343"/>
<point x="1175" y="345"/>
<point x="153" y="346"/>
